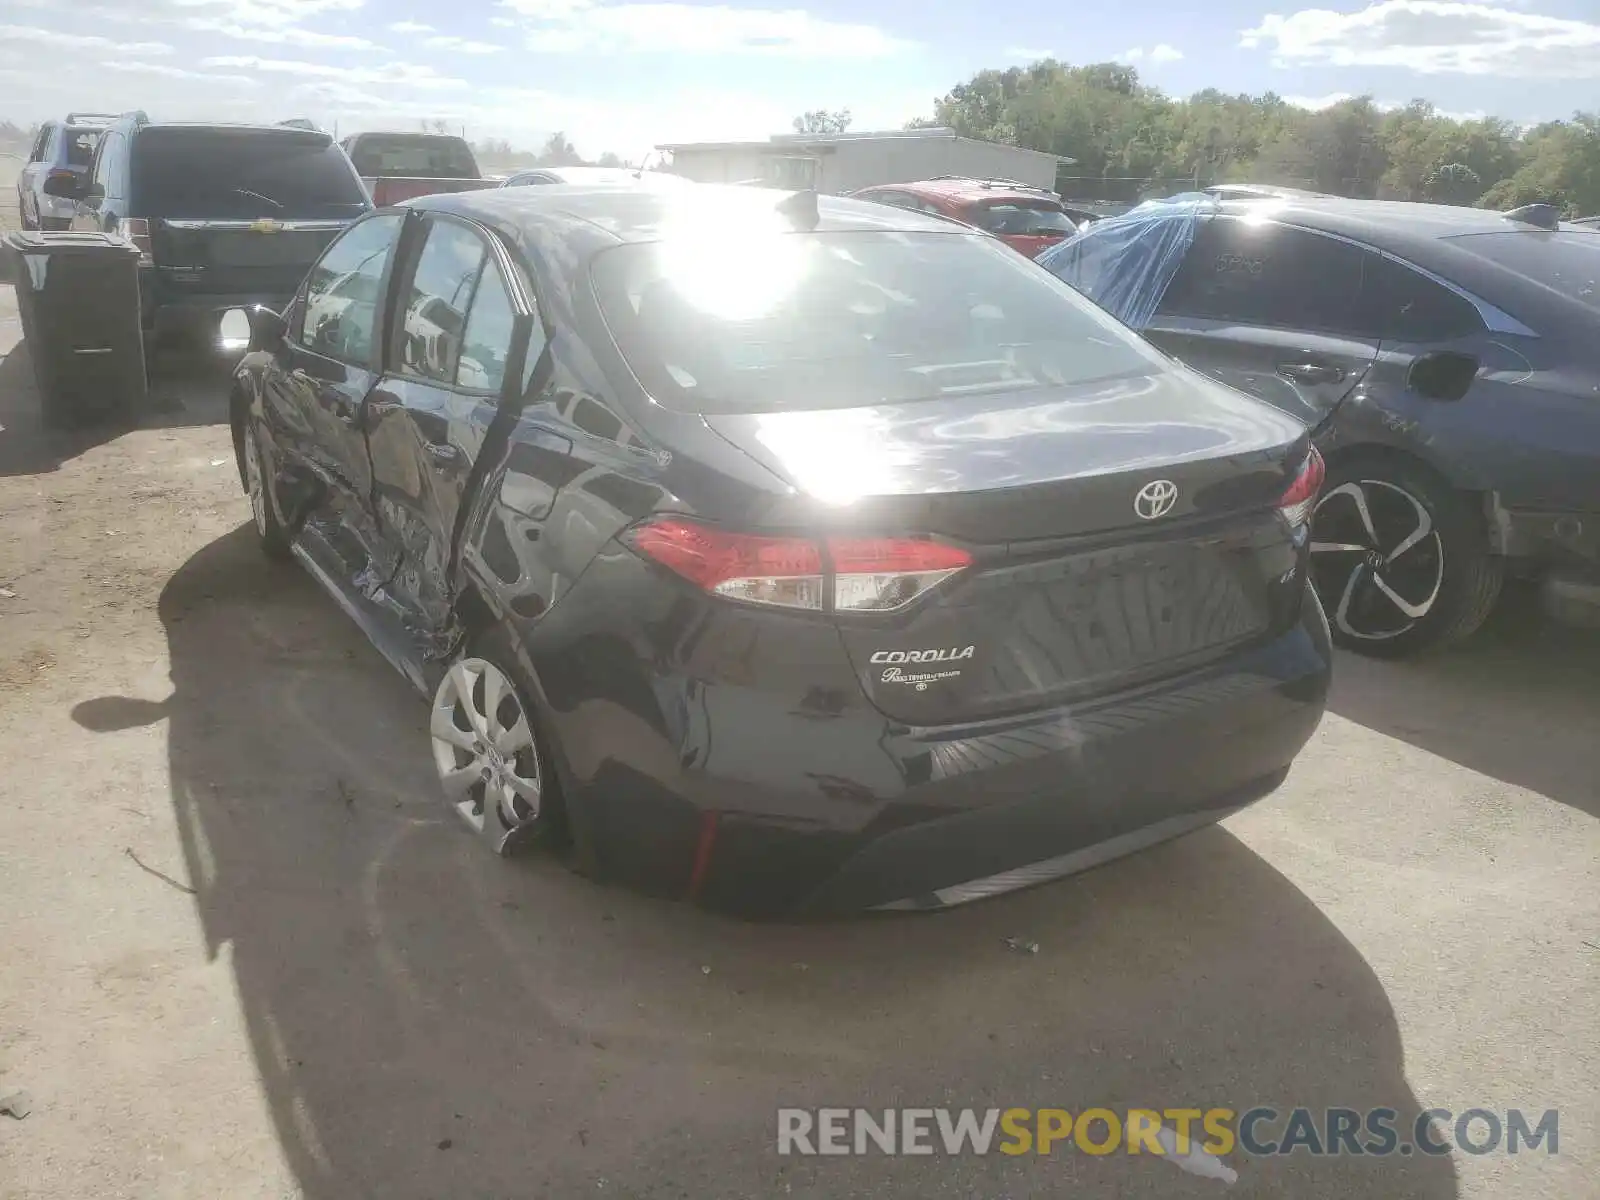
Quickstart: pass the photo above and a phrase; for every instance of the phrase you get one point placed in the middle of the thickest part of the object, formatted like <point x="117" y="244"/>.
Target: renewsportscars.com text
<point x="1257" y="1132"/>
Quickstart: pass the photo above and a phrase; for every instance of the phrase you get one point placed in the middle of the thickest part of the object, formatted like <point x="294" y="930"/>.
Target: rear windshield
<point x="836" y="320"/>
<point x="80" y="146"/>
<point x="1567" y="262"/>
<point x="230" y="175"/>
<point x="417" y="155"/>
<point x="1024" y="219"/>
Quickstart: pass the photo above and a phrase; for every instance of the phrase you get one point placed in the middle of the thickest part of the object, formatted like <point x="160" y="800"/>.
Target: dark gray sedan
<point x="1446" y="359"/>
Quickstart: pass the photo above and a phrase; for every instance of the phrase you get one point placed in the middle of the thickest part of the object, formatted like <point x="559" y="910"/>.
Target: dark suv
<point x="227" y="216"/>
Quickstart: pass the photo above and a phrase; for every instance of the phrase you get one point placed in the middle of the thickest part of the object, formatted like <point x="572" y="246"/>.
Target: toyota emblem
<point x="1155" y="499"/>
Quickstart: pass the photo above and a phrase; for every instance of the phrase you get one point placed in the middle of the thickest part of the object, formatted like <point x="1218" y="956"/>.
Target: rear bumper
<point x="165" y="311"/>
<point x="709" y="790"/>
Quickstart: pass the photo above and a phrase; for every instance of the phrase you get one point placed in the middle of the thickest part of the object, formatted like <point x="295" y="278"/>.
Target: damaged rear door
<point x="458" y="334"/>
<point x="1271" y="310"/>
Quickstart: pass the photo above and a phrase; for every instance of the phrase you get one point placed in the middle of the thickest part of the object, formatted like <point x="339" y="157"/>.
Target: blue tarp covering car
<point x="1125" y="264"/>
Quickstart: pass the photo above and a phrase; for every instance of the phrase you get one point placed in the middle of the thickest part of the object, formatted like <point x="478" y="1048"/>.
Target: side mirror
<point x="64" y="185"/>
<point x="1444" y="375"/>
<point x="267" y="328"/>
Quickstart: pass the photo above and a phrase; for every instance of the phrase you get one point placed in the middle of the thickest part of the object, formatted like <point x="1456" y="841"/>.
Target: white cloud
<point x="1157" y="54"/>
<point x="575" y="26"/>
<point x="286" y="36"/>
<point x="1433" y="37"/>
<point x="168" y="72"/>
<point x="410" y="27"/>
<point x="75" y="41"/>
<point x="1318" y="103"/>
<point x="462" y="45"/>
<point x="395" y="75"/>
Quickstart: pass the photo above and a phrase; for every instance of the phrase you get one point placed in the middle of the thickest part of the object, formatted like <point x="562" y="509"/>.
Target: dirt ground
<point x="246" y="955"/>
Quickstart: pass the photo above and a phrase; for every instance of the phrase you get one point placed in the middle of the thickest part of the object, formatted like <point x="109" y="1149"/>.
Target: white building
<point x="838" y="163"/>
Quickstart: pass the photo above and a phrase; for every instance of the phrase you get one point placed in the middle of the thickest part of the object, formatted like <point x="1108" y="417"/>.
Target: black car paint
<point x="1525" y="439"/>
<point x="734" y="753"/>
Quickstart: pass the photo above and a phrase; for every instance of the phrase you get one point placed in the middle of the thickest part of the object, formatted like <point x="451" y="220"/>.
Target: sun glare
<point x="736" y="270"/>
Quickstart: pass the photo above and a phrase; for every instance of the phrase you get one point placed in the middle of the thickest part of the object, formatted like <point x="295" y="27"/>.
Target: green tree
<point x="821" y="120"/>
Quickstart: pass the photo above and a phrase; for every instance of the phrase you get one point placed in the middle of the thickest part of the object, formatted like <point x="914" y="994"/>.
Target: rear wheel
<point x="487" y="751"/>
<point x="1400" y="560"/>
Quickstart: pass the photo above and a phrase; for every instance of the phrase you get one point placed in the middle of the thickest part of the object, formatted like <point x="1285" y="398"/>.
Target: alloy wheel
<point x="483" y="748"/>
<point x="1377" y="559"/>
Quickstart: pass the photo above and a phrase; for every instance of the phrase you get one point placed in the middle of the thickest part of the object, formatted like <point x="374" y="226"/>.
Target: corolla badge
<point x="1155" y="499"/>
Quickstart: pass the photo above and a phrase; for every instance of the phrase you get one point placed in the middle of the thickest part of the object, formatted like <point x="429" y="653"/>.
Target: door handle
<point x="1311" y="373"/>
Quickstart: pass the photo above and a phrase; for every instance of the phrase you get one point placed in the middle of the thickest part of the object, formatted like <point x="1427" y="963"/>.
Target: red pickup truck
<point x="400" y="166"/>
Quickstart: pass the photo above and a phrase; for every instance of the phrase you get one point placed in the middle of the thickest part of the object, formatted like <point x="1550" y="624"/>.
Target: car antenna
<point x="1544" y="216"/>
<point x="801" y="207"/>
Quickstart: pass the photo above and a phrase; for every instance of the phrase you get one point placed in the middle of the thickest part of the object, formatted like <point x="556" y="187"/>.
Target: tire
<point x="483" y="805"/>
<point x="256" y="472"/>
<point x="1400" y="559"/>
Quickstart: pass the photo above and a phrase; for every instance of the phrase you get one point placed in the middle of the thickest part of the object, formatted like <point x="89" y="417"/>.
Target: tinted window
<point x="418" y="155"/>
<point x="1407" y="306"/>
<point x="487" y="341"/>
<point x="435" y="317"/>
<point x="1023" y="220"/>
<point x="105" y="162"/>
<point x="41" y="144"/>
<point x="208" y="173"/>
<point x="342" y="292"/>
<point x="1567" y="262"/>
<point x="781" y="321"/>
<point x="1269" y="275"/>
<point x="528" y="180"/>
<point x="80" y="146"/>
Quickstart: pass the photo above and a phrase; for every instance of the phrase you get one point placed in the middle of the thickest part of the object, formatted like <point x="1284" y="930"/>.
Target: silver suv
<point x="60" y="148"/>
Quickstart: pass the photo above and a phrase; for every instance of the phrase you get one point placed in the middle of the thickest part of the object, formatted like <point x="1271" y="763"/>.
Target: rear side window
<point x="419" y="156"/>
<point x="487" y="342"/>
<point x="340" y="313"/>
<point x="41" y="144"/>
<point x="1023" y="220"/>
<point x="1270" y="275"/>
<point x="435" y="317"/>
<point x="213" y="174"/>
<point x="1406" y="306"/>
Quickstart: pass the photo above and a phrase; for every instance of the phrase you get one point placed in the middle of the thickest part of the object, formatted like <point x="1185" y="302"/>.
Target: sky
<point x="624" y="75"/>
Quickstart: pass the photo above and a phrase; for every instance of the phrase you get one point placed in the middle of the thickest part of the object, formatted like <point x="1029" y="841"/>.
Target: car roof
<point x="628" y="213"/>
<point x="970" y="190"/>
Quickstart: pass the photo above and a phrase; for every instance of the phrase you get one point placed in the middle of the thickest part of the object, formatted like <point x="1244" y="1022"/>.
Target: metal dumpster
<point x="78" y="294"/>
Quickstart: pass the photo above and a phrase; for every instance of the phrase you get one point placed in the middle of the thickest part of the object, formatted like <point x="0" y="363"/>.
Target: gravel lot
<point x="248" y="956"/>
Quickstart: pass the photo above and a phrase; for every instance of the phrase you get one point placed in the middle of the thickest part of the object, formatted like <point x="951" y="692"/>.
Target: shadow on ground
<point x="1519" y="701"/>
<point x="186" y="388"/>
<point x="431" y="1022"/>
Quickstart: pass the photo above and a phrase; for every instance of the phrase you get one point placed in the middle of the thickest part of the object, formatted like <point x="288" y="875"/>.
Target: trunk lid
<point x="1073" y="591"/>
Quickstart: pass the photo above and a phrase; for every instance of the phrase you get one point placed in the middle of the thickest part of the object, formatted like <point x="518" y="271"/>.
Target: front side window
<point x="771" y="322"/>
<point x="344" y="291"/>
<point x="435" y="307"/>
<point x="80" y="147"/>
<point x="1270" y="275"/>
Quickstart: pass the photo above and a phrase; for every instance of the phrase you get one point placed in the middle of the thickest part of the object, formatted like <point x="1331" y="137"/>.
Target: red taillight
<point x="137" y="231"/>
<point x="855" y="575"/>
<point x="1300" y="500"/>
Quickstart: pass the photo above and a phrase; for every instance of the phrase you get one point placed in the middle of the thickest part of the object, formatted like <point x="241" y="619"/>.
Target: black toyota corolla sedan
<point x="786" y="553"/>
